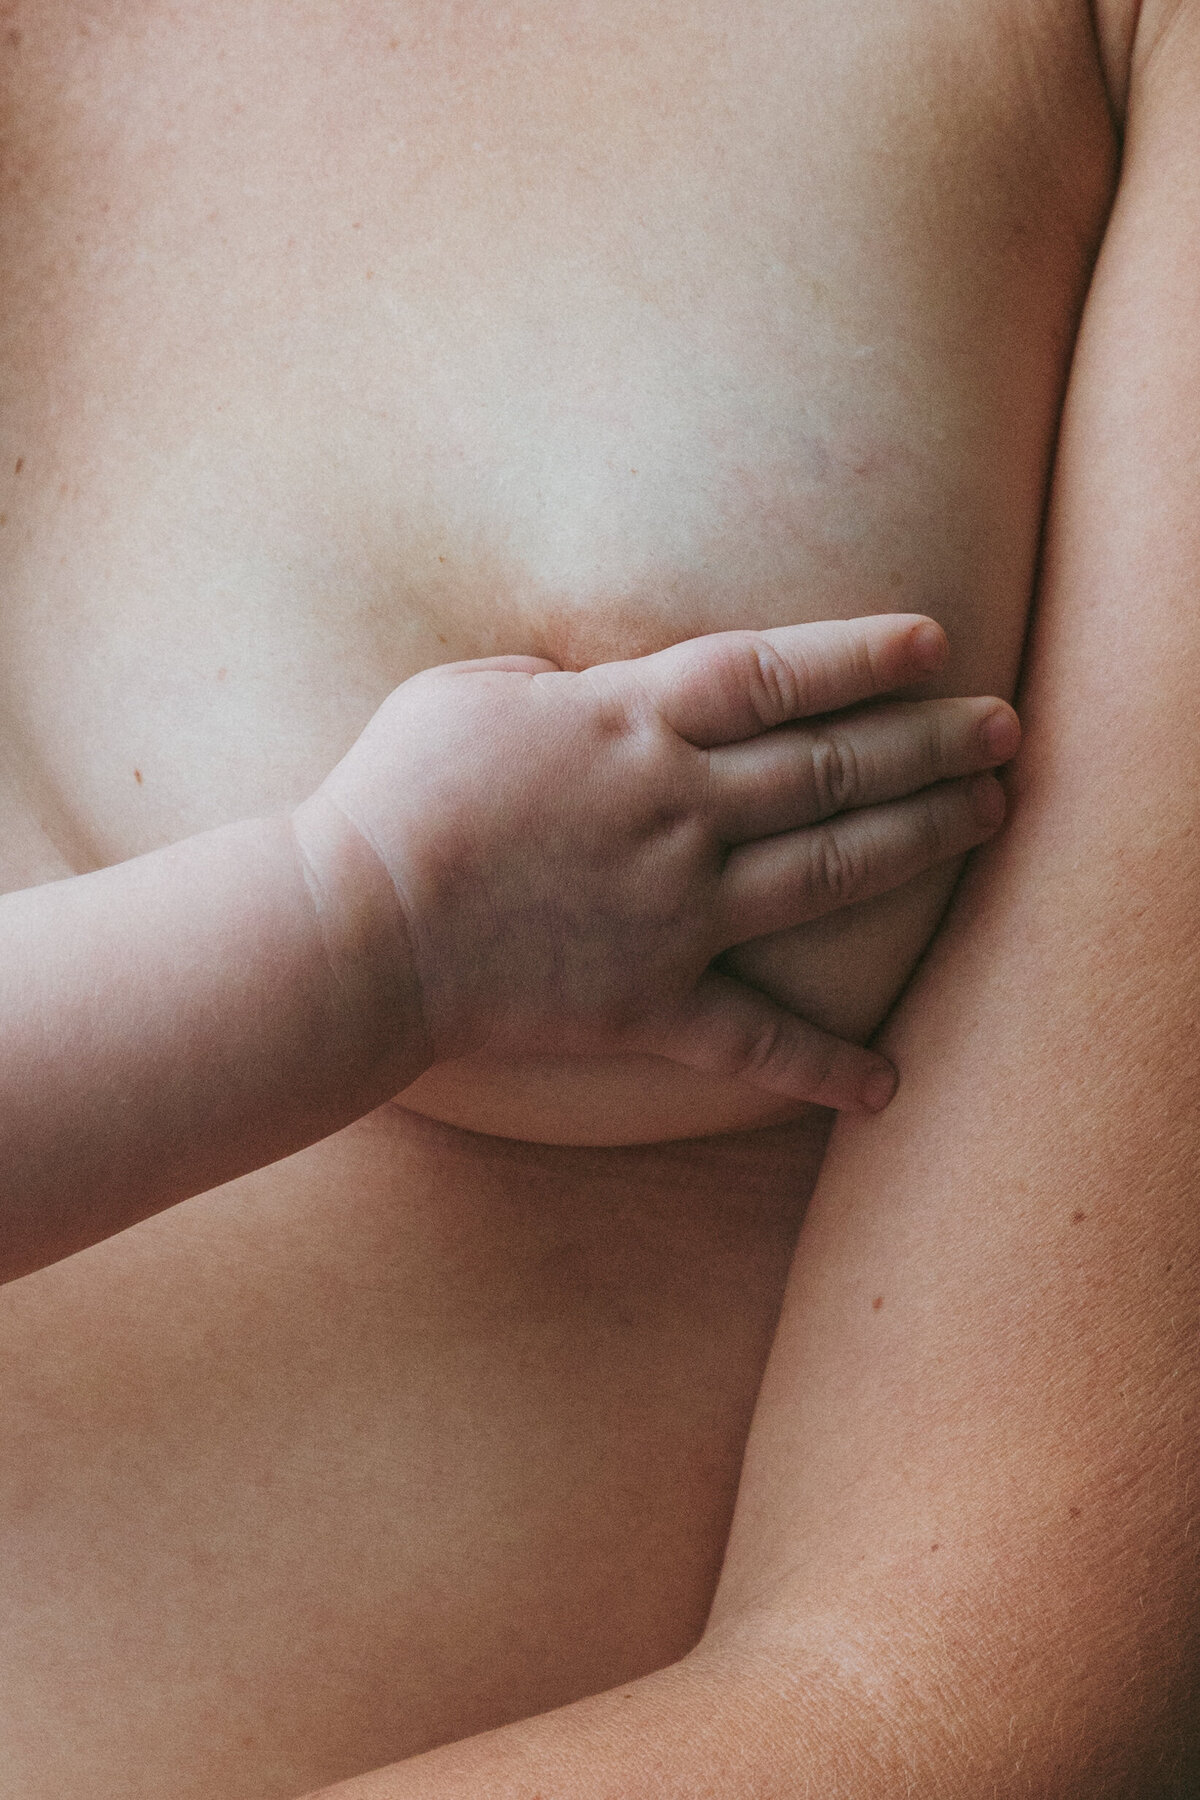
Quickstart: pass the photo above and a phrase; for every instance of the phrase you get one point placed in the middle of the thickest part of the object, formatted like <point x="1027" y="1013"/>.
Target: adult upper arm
<point x="975" y="1471"/>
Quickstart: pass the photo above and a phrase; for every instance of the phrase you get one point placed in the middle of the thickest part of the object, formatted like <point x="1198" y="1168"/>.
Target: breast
<point x="574" y="334"/>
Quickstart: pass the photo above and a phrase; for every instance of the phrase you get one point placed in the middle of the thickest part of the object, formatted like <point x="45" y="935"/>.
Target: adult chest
<point x="343" y="339"/>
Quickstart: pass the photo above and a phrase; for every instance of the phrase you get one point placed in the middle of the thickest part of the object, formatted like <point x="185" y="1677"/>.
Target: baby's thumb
<point x="729" y="1029"/>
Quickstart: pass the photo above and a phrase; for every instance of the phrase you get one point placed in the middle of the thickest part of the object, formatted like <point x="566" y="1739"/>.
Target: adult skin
<point x="965" y="1559"/>
<point x="423" y="1432"/>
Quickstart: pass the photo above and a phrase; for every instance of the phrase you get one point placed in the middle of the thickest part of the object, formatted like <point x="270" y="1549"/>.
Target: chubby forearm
<point x="177" y="1020"/>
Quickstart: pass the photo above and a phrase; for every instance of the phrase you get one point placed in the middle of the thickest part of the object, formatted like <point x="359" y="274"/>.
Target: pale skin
<point x="418" y="907"/>
<point x="579" y="331"/>
<point x="965" y="1561"/>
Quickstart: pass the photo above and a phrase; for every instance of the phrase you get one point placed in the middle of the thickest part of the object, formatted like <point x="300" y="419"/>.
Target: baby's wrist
<point x="364" y="945"/>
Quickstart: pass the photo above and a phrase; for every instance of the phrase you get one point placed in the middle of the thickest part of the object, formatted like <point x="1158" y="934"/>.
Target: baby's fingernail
<point x="878" y="1087"/>
<point x="987" y="801"/>
<point x="1000" y="733"/>
<point x="929" y="642"/>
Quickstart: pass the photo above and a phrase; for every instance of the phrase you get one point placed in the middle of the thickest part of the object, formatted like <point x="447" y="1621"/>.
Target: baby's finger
<point x="502" y="665"/>
<point x="734" y="684"/>
<point x="802" y="773"/>
<point x="780" y="882"/>
<point x="730" y="1029"/>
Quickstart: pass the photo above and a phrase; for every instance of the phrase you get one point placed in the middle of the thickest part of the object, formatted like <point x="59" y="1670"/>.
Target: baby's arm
<point x="510" y="858"/>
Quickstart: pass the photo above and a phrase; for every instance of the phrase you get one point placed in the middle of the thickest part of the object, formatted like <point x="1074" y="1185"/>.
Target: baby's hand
<point x="570" y="852"/>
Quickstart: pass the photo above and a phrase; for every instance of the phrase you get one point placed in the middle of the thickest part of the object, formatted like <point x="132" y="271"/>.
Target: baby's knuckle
<point x="672" y="824"/>
<point x="837" y="871"/>
<point x="758" y="1047"/>
<point x="775" y="689"/>
<point x="865" y="658"/>
<point x="618" y="709"/>
<point x="615" y="721"/>
<point x="938" y="825"/>
<point x="837" y="775"/>
<point x="938" y="743"/>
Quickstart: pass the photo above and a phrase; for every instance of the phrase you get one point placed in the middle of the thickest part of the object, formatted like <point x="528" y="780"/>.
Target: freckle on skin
<point x="1077" y="1218"/>
<point x="20" y="464"/>
<point x="1075" y="1511"/>
<point x="877" y="1302"/>
<point x="137" y="776"/>
<point x="935" y="1547"/>
<point x="221" y="674"/>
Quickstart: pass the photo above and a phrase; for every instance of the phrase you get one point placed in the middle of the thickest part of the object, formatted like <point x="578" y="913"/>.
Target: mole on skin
<point x="877" y="1302"/>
